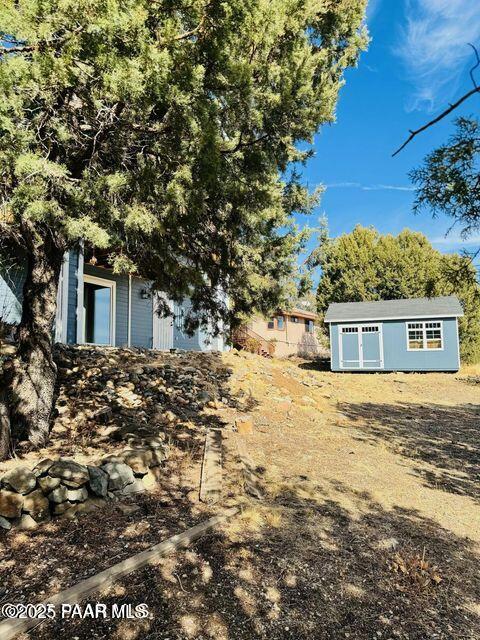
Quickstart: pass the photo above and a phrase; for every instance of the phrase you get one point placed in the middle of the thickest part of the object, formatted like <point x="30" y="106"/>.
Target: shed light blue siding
<point x="396" y="355"/>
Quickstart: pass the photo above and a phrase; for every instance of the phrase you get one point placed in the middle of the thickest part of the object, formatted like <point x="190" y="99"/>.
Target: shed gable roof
<point x="442" y="306"/>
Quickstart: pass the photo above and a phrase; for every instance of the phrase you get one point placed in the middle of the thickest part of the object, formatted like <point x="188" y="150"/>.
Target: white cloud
<point x="434" y="47"/>
<point x="363" y="187"/>
<point x="456" y="240"/>
<point x="387" y="187"/>
<point x="343" y="185"/>
<point x="372" y="8"/>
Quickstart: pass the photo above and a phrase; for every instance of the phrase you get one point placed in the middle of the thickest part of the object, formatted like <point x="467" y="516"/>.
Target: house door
<point x="361" y="346"/>
<point x="98" y="311"/>
<point x="181" y="339"/>
<point x="162" y="327"/>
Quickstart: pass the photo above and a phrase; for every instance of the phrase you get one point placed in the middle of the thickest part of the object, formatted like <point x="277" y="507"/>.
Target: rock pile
<point x="108" y="396"/>
<point x="120" y="393"/>
<point x="54" y="487"/>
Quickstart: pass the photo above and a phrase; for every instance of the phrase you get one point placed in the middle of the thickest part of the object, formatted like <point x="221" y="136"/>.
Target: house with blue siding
<point x="96" y="306"/>
<point x="418" y="334"/>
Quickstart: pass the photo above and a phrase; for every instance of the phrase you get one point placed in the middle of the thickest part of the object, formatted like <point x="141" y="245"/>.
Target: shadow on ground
<point x="308" y="562"/>
<point x="447" y="438"/>
<point x="301" y="566"/>
<point x="319" y="364"/>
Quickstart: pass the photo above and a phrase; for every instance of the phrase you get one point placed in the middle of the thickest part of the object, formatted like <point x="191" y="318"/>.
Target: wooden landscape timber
<point x="211" y="479"/>
<point x="103" y="580"/>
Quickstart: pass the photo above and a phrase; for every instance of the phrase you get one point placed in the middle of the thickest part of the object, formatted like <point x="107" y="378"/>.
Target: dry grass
<point x="368" y="528"/>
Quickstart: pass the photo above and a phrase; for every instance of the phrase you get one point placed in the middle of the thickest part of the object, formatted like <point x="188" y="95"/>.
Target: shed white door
<point x="360" y="346"/>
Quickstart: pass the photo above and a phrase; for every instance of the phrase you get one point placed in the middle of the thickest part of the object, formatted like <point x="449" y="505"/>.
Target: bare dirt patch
<point x="369" y="527"/>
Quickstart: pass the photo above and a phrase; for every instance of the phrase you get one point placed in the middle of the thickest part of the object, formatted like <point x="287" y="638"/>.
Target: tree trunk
<point x="34" y="370"/>
<point x="5" y="439"/>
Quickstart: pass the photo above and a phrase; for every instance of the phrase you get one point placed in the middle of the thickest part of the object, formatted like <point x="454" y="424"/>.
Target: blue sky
<point x="417" y="62"/>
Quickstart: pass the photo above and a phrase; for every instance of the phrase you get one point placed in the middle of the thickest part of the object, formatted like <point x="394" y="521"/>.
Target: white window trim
<point x="361" y="360"/>
<point x="424" y="331"/>
<point x="113" y="306"/>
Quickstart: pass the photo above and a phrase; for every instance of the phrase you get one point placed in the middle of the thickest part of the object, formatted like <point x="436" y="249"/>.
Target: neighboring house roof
<point x="444" y="306"/>
<point x="301" y="313"/>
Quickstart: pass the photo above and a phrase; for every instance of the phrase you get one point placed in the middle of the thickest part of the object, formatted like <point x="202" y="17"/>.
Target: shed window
<point x="271" y="323"/>
<point x="424" y="335"/>
<point x="349" y="329"/>
<point x="294" y="319"/>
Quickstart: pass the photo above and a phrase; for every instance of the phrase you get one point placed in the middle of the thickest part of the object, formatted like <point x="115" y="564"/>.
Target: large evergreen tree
<point x="159" y="131"/>
<point x="448" y="182"/>
<point x="365" y="265"/>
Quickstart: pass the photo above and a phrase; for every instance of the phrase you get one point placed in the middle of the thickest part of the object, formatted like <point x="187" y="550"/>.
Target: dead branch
<point x="442" y="115"/>
<point x="452" y="107"/>
<point x="475" y="66"/>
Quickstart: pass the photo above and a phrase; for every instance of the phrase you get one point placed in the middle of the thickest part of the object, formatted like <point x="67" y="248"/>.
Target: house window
<point x="424" y="335"/>
<point x="271" y="323"/>
<point x="280" y="323"/>
<point x="294" y="319"/>
<point x="309" y="326"/>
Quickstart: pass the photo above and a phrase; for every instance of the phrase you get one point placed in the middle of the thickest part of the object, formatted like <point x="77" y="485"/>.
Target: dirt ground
<point x="369" y="526"/>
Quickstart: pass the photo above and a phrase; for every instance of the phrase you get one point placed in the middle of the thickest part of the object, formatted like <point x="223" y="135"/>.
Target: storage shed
<point x="418" y="334"/>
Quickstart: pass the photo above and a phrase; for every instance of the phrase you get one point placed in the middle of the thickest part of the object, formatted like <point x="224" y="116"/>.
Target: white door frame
<point x="361" y="361"/>
<point x="113" y="305"/>
<point x="61" y="317"/>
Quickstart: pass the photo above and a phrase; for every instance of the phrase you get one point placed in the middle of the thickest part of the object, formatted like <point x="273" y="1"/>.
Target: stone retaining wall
<point x="54" y="487"/>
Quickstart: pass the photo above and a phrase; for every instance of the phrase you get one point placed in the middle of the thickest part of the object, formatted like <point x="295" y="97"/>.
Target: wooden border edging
<point x="211" y="478"/>
<point x="11" y="627"/>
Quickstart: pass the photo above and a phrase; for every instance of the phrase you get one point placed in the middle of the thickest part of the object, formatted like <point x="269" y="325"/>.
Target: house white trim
<point x="80" y="295"/>
<point x="112" y="285"/>
<point x="129" y="320"/>
<point x="458" y="343"/>
<point x="61" y="319"/>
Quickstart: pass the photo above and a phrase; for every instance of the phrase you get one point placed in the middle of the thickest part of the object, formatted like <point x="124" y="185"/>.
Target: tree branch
<point x="28" y="48"/>
<point x="475" y="66"/>
<point x="17" y="49"/>
<point x="243" y="145"/>
<point x="451" y="108"/>
<point x="11" y="235"/>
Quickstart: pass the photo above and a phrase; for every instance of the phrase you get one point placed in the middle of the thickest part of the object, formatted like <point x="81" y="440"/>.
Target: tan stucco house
<point x="290" y="332"/>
